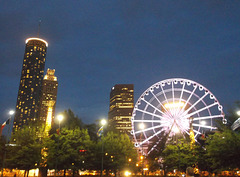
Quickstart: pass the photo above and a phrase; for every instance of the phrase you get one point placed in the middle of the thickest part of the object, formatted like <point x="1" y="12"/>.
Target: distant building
<point x="30" y="82"/>
<point x="48" y="99"/>
<point x="121" y="107"/>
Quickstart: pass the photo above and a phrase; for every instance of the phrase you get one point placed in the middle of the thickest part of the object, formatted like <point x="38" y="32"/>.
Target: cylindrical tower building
<point x="31" y="82"/>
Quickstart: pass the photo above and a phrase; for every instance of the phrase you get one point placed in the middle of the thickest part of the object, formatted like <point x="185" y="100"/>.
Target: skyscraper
<point x="121" y="107"/>
<point x="30" y="82"/>
<point x="48" y="99"/>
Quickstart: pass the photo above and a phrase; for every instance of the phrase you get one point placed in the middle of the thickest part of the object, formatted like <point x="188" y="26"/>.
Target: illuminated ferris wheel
<point x="174" y="106"/>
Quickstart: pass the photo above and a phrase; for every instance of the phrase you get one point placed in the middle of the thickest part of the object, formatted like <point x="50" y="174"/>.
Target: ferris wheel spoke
<point x="155" y="115"/>
<point x="186" y="132"/>
<point x="150" y="137"/>
<point x="154" y="107"/>
<point x="190" y="96"/>
<point x="204" y="126"/>
<point x="173" y="100"/>
<point x="180" y="98"/>
<point x="148" y="129"/>
<point x="208" y="117"/>
<point x="154" y="121"/>
<point x="165" y="98"/>
<point x="197" y="132"/>
<point x="193" y="105"/>
<point x="200" y="110"/>
<point x="166" y="111"/>
<point x="181" y="128"/>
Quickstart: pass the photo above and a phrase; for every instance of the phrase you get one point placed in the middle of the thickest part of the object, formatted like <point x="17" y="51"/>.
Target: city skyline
<point x="94" y="46"/>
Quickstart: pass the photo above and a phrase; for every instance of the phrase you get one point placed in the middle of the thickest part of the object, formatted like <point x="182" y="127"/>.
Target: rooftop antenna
<point x="39" y="24"/>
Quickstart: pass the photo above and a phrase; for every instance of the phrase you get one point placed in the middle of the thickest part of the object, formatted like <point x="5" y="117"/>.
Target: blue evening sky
<point x="94" y="45"/>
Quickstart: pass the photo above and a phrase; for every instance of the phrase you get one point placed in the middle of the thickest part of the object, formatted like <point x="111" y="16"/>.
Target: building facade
<point x="48" y="99"/>
<point x="30" y="82"/>
<point x="121" y="107"/>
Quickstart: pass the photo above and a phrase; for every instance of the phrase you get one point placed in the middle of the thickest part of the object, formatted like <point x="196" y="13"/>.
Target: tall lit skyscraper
<point x="121" y="107"/>
<point x="48" y="99"/>
<point x="30" y="82"/>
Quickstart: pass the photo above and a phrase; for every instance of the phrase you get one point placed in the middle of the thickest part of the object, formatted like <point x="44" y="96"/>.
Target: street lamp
<point x="11" y="112"/>
<point x="103" y="122"/>
<point x="238" y="113"/>
<point x="60" y="118"/>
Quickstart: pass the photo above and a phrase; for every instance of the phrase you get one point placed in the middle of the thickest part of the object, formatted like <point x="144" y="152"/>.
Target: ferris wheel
<point x="174" y="106"/>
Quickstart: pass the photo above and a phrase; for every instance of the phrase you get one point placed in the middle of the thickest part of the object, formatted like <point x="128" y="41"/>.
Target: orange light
<point x="174" y="105"/>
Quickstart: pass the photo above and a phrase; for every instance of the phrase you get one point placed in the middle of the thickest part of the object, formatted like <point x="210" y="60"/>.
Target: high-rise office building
<point x="48" y="99"/>
<point x="121" y="107"/>
<point x="30" y="82"/>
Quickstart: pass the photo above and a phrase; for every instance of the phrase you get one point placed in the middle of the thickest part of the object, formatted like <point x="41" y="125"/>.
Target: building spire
<point x="39" y="25"/>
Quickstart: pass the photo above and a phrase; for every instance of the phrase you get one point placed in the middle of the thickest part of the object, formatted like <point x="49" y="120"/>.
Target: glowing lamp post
<point x="238" y="113"/>
<point x="103" y="123"/>
<point x="11" y="112"/>
<point x="59" y="118"/>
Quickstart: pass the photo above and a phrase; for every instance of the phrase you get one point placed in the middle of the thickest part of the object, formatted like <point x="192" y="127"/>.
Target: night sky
<point x="94" y="45"/>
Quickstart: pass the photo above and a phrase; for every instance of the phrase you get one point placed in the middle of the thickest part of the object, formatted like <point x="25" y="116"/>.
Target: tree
<point x="223" y="150"/>
<point x="118" y="149"/>
<point x="70" y="121"/>
<point x="2" y="149"/>
<point x="68" y="147"/>
<point x="92" y="131"/>
<point x="26" y="154"/>
<point x="176" y="155"/>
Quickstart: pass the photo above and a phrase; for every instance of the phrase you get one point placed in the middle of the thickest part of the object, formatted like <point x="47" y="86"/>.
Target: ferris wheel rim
<point x="162" y="84"/>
